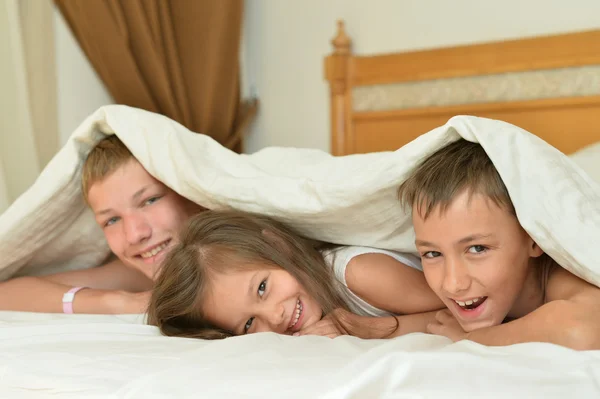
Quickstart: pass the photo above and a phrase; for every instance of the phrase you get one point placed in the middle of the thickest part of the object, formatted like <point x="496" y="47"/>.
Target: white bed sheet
<point x="87" y="356"/>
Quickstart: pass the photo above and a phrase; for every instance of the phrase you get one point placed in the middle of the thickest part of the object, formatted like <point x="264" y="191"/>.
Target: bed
<point x="102" y="356"/>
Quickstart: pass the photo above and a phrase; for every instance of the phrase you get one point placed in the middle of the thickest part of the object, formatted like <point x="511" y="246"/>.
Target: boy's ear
<point x="534" y="250"/>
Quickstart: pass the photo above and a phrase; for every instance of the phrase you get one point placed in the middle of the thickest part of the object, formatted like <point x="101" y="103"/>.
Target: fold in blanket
<point x="346" y="200"/>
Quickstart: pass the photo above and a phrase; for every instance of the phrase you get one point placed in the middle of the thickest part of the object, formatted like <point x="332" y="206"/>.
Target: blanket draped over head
<point x="345" y="200"/>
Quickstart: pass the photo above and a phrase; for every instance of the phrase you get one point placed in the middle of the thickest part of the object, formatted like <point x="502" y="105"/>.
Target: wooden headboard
<point x="549" y="86"/>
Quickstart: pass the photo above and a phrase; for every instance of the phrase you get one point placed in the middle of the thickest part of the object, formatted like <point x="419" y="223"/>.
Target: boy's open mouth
<point x="471" y="304"/>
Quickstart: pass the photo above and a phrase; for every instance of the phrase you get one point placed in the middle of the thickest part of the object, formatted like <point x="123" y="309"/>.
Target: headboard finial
<point x="341" y="42"/>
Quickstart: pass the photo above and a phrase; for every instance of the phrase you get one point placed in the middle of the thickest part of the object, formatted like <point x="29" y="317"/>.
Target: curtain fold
<point x="179" y="58"/>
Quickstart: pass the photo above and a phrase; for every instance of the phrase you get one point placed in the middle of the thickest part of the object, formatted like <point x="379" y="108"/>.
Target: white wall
<point x="286" y="41"/>
<point x="79" y="90"/>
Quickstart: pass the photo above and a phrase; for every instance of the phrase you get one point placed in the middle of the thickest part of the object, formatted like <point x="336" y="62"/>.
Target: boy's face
<point x="139" y="215"/>
<point x="475" y="258"/>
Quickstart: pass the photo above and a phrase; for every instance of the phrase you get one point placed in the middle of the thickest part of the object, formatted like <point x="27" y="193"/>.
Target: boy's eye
<point x="431" y="254"/>
<point x="477" y="249"/>
<point x="262" y="287"/>
<point x="151" y="200"/>
<point x="111" y="221"/>
<point x="248" y="324"/>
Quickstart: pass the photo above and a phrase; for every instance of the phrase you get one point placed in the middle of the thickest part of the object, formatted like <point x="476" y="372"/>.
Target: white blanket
<point x="85" y="356"/>
<point x="346" y="200"/>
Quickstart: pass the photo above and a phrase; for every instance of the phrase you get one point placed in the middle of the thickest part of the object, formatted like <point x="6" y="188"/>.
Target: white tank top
<point x="339" y="258"/>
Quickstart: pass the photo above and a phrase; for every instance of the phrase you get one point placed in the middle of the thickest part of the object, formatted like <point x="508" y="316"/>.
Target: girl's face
<point x="259" y="299"/>
<point x="476" y="257"/>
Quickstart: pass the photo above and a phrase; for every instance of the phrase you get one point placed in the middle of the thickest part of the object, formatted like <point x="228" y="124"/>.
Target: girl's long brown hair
<point x="221" y="241"/>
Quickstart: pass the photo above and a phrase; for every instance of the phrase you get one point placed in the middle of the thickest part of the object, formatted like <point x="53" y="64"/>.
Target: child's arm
<point x="390" y="285"/>
<point x="342" y="322"/>
<point x="386" y="284"/>
<point x="111" y="276"/>
<point x="570" y="318"/>
<point x="108" y="293"/>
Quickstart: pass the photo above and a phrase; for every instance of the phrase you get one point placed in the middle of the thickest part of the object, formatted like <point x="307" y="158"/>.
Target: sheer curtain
<point x="28" y="130"/>
<point x="3" y="191"/>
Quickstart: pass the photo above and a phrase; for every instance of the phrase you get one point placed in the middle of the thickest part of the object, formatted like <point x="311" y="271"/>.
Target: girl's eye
<point x="262" y="287"/>
<point x="431" y="254"/>
<point x="248" y="324"/>
<point x="477" y="249"/>
<point x="111" y="221"/>
<point x="151" y="201"/>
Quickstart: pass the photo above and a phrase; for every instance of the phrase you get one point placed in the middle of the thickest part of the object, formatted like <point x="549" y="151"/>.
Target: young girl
<point x="234" y="273"/>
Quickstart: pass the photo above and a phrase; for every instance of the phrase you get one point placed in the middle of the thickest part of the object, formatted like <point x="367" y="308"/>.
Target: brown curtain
<point x="179" y="58"/>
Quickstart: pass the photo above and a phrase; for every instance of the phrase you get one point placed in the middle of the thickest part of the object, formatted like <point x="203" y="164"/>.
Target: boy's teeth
<point x="469" y="302"/>
<point x="155" y="250"/>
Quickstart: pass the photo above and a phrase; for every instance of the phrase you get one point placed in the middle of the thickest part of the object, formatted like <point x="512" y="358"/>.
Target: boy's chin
<point x="150" y="271"/>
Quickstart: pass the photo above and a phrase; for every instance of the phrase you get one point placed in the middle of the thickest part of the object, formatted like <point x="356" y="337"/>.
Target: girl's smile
<point x="259" y="300"/>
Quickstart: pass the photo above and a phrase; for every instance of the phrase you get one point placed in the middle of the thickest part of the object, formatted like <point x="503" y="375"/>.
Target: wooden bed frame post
<point x="337" y="72"/>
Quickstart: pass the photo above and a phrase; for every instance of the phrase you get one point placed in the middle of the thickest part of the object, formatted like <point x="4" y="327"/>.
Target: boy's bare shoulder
<point x="564" y="285"/>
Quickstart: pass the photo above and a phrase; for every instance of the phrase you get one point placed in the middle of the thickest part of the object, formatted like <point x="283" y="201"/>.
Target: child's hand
<point x="332" y="325"/>
<point x="446" y="324"/>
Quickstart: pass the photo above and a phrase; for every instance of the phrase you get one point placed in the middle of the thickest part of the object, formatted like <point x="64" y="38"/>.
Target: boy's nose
<point x="136" y="229"/>
<point x="456" y="278"/>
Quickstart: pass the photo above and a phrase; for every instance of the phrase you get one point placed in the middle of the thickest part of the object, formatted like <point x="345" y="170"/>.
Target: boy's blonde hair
<point x="459" y="166"/>
<point x="108" y="155"/>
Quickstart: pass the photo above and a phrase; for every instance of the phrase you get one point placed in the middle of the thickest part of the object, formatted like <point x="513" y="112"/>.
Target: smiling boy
<point x="499" y="286"/>
<point x="139" y="217"/>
